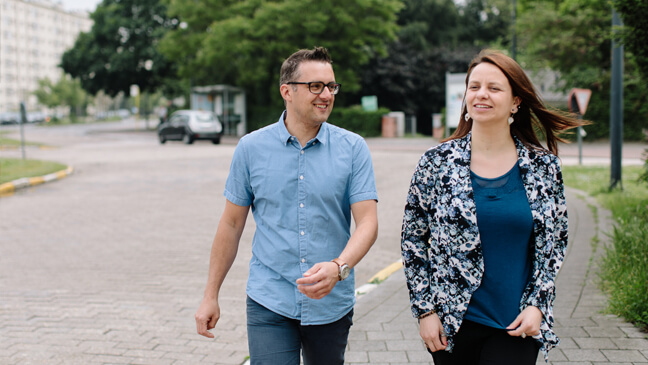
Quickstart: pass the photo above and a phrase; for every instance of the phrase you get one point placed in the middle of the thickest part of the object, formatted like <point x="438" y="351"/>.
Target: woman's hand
<point x="432" y="333"/>
<point x="527" y="323"/>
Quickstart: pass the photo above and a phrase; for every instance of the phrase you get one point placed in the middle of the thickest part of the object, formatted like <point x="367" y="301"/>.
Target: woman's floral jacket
<point x="441" y="247"/>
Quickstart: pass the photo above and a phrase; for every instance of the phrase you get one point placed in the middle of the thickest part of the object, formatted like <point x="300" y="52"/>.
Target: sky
<point x="88" y="5"/>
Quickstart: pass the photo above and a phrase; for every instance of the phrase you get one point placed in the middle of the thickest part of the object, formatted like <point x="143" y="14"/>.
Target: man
<point x="304" y="179"/>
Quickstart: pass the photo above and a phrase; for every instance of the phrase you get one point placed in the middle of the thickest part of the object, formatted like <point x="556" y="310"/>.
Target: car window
<point x="205" y="118"/>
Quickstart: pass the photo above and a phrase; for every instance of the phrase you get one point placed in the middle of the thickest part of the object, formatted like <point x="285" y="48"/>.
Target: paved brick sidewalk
<point x="108" y="265"/>
<point x="385" y="333"/>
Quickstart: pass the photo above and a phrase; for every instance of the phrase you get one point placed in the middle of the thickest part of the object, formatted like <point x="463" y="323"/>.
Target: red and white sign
<point x="582" y="97"/>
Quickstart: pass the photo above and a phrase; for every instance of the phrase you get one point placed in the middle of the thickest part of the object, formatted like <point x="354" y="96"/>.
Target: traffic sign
<point x="578" y="100"/>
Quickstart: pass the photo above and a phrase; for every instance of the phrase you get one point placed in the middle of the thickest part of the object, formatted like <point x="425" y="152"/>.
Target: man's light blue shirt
<point x="301" y="202"/>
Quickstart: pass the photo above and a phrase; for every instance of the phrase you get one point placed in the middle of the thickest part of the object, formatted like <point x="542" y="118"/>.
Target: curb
<point x="379" y="278"/>
<point x="12" y="186"/>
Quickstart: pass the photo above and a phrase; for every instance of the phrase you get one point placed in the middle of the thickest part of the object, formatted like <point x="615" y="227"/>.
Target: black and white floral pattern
<point x="441" y="246"/>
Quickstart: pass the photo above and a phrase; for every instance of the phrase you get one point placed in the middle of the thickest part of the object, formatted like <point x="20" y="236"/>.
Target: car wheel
<point x="187" y="138"/>
<point x="162" y="139"/>
<point x="216" y="140"/>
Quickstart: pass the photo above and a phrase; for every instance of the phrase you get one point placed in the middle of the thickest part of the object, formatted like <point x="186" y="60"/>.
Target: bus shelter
<point x="228" y="102"/>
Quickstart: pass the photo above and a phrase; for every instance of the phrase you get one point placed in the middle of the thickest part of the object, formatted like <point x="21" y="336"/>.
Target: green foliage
<point x="644" y="175"/>
<point x="66" y="92"/>
<point x="120" y="49"/>
<point x="355" y="119"/>
<point x="573" y="37"/>
<point x="635" y="102"/>
<point x="413" y="80"/>
<point x="262" y="115"/>
<point x="436" y="37"/>
<point x="624" y="268"/>
<point x="635" y="36"/>
<point x="485" y="22"/>
<point x="243" y="43"/>
<point x="427" y="23"/>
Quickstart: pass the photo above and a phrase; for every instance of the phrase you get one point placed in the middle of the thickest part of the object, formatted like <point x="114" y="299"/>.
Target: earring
<point x="510" y="120"/>
<point x="467" y="116"/>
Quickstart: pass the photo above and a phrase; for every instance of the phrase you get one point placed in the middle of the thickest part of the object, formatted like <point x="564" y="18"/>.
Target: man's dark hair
<point x="289" y="69"/>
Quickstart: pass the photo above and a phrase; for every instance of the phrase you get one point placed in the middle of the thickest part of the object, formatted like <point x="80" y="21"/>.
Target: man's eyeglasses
<point x="317" y="87"/>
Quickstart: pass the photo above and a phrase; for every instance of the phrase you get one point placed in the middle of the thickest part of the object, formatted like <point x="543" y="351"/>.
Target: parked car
<point x="36" y="117"/>
<point x="190" y="125"/>
<point x="9" y="118"/>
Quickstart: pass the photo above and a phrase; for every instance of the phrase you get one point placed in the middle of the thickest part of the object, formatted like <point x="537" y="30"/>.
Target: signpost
<point x="578" y="100"/>
<point x="135" y="92"/>
<point x="22" y="121"/>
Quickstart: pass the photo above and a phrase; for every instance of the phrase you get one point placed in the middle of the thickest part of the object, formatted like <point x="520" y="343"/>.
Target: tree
<point x="66" y="92"/>
<point x="435" y="37"/>
<point x="243" y="43"/>
<point x="635" y="14"/>
<point x="120" y="49"/>
<point x="484" y="23"/>
<point x="565" y="36"/>
<point x="573" y="37"/>
<point x="413" y="81"/>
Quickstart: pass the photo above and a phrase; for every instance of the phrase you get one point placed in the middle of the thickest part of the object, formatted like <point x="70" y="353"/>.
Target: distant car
<point x="9" y="118"/>
<point x="190" y="125"/>
<point x="36" y="117"/>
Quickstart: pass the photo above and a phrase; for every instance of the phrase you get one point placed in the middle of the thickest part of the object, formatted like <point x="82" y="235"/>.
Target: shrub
<point x="644" y="175"/>
<point x="625" y="268"/>
<point x="355" y="119"/>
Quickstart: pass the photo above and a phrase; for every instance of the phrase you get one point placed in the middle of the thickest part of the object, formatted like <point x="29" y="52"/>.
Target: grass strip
<point x="624" y="266"/>
<point x="15" y="168"/>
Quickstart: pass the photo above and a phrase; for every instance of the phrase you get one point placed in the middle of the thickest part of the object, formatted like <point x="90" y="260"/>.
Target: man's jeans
<point x="277" y="340"/>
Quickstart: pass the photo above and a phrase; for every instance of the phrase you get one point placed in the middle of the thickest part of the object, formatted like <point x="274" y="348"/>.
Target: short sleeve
<point x="363" y="183"/>
<point x="238" y="189"/>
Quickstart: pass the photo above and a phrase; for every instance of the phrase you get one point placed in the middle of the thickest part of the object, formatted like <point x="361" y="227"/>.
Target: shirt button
<point x="301" y="205"/>
<point x="302" y="233"/>
<point x="303" y="260"/>
<point x="301" y="177"/>
<point x="302" y="152"/>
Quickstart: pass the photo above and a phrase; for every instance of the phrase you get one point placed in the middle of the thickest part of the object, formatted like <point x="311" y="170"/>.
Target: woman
<point x="485" y="225"/>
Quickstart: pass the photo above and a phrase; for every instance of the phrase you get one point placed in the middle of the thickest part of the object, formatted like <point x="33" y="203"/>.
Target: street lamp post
<point x="616" y="106"/>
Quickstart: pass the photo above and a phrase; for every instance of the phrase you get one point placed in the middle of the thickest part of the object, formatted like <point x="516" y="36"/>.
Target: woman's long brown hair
<point x="532" y="113"/>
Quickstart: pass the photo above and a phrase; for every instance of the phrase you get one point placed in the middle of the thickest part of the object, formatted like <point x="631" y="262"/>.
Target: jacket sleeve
<point x="415" y="237"/>
<point x="551" y="245"/>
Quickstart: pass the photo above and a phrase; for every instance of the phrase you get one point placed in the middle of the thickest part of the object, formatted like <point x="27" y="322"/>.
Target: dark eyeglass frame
<point x="333" y="87"/>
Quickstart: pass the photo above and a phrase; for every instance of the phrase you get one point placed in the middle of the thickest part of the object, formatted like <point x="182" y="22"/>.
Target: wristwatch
<point x="343" y="269"/>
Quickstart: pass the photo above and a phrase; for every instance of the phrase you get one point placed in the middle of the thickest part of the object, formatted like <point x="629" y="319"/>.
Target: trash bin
<point x="388" y="126"/>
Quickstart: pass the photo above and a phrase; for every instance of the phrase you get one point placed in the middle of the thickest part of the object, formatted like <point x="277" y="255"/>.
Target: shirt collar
<point x="284" y="135"/>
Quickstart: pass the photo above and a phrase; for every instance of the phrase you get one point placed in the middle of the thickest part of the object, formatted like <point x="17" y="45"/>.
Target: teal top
<point x="506" y="230"/>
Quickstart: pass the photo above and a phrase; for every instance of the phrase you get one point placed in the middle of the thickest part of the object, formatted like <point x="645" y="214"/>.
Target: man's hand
<point x="206" y="317"/>
<point x="319" y="280"/>
<point x="431" y="331"/>
<point x="527" y="323"/>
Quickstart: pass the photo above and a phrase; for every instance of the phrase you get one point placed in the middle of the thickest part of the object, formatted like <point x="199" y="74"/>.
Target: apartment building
<point x="33" y="36"/>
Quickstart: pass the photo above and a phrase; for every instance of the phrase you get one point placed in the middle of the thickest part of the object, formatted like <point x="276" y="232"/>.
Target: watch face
<point x="344" y="271"/>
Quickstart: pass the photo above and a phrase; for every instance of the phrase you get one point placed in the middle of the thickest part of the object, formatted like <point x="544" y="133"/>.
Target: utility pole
<point x="616" y="106"/>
